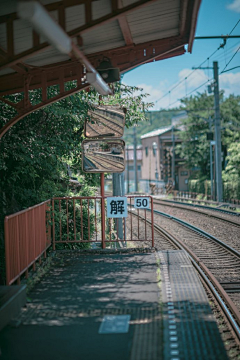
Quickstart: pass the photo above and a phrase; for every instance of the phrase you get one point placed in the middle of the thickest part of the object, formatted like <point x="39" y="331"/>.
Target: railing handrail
<point x="7" y="217"/>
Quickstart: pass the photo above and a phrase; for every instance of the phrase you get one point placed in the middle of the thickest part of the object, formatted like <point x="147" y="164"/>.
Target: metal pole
<point x="173" y="157"/>
<point x="135" y="159"/>
<point x="128" y="189"/>
<point x="102" y="209"/>
<point x="218" y="150"/>
<point x="211" y="168"/>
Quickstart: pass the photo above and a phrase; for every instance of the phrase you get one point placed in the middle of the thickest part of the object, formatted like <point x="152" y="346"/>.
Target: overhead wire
<point x="197" y="68"/>
<point x="230" y="59"/>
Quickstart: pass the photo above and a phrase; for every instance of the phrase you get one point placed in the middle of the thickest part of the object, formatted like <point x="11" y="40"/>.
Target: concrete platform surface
<point x="12" y="298"/>
<point x="81" y="291"/>
<point x="190" y="330"/>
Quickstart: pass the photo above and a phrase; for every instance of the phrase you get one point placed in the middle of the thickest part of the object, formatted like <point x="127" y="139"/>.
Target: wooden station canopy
<point x="127" y="32"/>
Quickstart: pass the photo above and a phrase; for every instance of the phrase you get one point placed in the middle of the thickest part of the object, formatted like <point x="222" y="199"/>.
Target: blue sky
<point x="216" y="17"/>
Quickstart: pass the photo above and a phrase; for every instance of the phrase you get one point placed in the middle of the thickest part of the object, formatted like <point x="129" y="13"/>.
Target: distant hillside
<point x="155" y="120"/>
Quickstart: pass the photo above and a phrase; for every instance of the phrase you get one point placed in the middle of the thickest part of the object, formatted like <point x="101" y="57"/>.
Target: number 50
<point x="141" y="203"/>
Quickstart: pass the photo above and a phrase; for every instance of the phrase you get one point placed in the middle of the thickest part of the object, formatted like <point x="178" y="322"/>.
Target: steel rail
<point x="228" y="307"/>
<point x="229" y="212"/>
<point x="200" y="231"/>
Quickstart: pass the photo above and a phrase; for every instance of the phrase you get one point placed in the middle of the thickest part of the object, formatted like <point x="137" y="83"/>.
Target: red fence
<point x="27" y="237"/>
<point x="69" y="220"/>
<point x="79" y="220"/>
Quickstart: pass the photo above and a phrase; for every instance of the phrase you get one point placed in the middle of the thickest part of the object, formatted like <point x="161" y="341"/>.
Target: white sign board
<point x="141" y="202"/>
<point x="117" y="207"/>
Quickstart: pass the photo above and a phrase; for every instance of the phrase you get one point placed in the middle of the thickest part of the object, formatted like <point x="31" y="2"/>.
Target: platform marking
<point x="114" y="324"/>
<point x="171" y="319"/>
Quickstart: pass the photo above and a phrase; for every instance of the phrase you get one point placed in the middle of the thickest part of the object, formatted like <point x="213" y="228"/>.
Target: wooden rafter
<point x="91" y="23"/>
<point x="124" y="26"/>
<point x="122" y="57"/>
<point x="125" y="58"/>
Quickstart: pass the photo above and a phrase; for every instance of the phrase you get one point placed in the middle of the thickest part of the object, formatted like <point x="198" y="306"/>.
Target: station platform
<point x="124" y="304"/>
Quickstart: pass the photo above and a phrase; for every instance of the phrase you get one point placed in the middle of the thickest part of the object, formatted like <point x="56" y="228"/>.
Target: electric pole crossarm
<point x="217" y="37"/>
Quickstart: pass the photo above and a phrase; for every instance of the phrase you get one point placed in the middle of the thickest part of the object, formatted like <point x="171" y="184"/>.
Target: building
<point x="129" y="173"/>
<point x="160" y="163"/>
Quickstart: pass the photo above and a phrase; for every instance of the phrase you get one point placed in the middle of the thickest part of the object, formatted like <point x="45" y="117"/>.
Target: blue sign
<point x="141" y="203"/>
<point x="117" y="207"/>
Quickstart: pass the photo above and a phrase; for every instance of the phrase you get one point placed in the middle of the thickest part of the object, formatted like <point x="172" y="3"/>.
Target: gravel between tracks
<point x="228" y="233"/>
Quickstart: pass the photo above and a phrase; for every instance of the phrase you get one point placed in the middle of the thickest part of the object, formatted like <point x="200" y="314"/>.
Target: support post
<point x="173" y="157"/>
<point x="211" y="167"/>
<point x="218" y="150"/>
<point x="135" y="159"/>
<point x="102" y="209"/>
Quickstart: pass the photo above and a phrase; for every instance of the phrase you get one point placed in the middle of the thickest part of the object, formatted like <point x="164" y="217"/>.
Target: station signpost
<point x="104" y="124"/>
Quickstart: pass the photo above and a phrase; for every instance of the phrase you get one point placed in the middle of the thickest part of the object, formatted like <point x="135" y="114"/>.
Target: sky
<point x="215" y="17"/>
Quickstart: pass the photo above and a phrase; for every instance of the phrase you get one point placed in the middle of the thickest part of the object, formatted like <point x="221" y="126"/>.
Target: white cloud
<point x="229" y="82"/>
<point x="178" y="90"/>
<point x="193" y="79"/>
<point x="235" y="6"/>
<point x="154" y="93"/>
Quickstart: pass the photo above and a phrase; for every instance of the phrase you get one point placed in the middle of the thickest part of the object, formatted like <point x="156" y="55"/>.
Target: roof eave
<point x="193" y="22"/>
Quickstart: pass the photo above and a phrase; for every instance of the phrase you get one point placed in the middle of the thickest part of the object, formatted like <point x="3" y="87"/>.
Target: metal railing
<point x="27" y="237"/>
<point x="68" y="220"/>
<point x="79" y="220"/>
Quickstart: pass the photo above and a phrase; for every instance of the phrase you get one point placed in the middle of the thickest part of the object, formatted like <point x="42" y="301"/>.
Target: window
<point x="130" y="168"/>
<point x="184" y="173"/>
<point x="146" y="150"/>
<point x="139" y="167"/>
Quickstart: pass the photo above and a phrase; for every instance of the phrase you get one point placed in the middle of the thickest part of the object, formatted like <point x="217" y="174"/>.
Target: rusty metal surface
<point x="28" y="234"/>
<point x="27" y="237"/>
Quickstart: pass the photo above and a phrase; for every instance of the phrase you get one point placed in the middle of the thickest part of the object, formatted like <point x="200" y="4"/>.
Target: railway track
<point x="104" y="163"/>
<point x="218" y="265"/>
<point x="101" y="119"/>
<point x="223" y="226"/>
<point x="230" y="216"/>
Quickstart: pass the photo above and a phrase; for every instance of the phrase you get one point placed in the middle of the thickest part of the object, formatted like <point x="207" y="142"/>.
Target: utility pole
<point x="173" y="157"/>
<point x="128" y="189"/>
<point x="218" y="144"/>
<point x="218" y="147"/>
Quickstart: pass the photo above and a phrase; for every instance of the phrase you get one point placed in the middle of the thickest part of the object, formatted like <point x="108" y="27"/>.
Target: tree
<point x="35" y="151"/>
<point x="195" y="146"/>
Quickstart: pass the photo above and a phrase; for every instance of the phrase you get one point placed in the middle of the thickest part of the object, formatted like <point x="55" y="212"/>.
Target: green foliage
<point x="35" y="152"/>
<point x="153" y="120"/>
<point x="231" y="189"/>
<point x="195" y="148"/>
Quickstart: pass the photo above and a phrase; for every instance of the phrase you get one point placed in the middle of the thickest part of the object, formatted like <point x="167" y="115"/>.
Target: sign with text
<point x="117" y="207"/>
<point x="141" y="203"/>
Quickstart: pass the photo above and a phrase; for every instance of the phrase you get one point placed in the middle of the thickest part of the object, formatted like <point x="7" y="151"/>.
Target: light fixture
<point x="108" y="72"/>
<point x="97" y="82"/>
<point x="154" y="146"/>
<point x="41" y="21"/>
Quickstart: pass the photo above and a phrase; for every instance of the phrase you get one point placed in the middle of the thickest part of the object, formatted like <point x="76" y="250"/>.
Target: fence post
<point x="53" y="225"/>
<point x="102" y="210"/>
<point x="6" y="231"/>
<point x="152" y="222"/>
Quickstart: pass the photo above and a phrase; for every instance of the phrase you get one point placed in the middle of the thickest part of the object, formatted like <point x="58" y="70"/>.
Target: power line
<point x="207" y="59"/>
<point x="230" y="60"/>
<point x="191" y="92"/>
